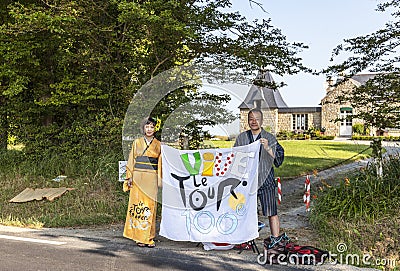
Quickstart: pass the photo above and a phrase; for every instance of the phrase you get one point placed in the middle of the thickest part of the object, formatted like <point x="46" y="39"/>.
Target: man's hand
<point x="264" y="142"/>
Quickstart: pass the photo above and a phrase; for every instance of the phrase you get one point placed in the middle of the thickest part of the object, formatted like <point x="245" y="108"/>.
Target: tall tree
<point x="4" y="125"/>
<point x="69" y="68"/>
<point x="379" y="53"/>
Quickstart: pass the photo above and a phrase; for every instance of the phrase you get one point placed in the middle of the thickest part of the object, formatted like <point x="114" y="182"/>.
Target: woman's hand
<point x="127" y="185"/>
<point x="129" y="182"/>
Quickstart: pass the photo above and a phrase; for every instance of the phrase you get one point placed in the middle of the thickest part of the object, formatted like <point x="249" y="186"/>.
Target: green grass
<point x="97" y="198"/>
<point x="304" y="156"/>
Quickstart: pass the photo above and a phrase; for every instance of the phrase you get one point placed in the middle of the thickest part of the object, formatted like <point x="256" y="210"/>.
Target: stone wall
<point x="270" y="120"/>
<point x="275" y="123"/>
<point x="314" y="120"/>
<point x="285" y="122"/>
<point x="244" y="126"/>
<point x="330" y="110"/>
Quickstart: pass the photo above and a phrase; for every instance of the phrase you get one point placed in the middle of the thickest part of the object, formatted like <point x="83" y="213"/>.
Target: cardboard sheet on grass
<point x="30" y="194"/>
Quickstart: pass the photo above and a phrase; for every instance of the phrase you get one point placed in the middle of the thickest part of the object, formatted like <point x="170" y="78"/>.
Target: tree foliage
<point x="68" y="69"/>
<point x="378" y="52"/>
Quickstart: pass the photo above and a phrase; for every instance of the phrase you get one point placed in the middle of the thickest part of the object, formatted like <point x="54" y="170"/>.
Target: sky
<point x="320" y="24"/>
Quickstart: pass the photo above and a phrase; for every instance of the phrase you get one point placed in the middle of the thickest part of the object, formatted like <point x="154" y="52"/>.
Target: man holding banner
<point x="271" y="154"/>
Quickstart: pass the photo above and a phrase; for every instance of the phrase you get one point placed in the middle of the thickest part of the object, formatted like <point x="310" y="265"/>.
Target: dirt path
<point x="292" y="212"/>
<point x="294" y="218"/>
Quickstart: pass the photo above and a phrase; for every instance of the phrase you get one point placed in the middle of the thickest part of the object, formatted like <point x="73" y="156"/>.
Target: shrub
<point x="369" y="138"/>
<point x="284" y="135"/>
<point x="358" y="129"/>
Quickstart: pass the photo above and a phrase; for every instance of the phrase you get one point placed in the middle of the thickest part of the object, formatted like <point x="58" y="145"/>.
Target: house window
<point x="345" y="113"/>
<point x="300" y="122"/>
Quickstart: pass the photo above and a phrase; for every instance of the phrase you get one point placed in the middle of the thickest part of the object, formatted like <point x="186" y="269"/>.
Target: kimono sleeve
<point x="279" y="155"/>
<point x="159" y="171"/>
<point x="129" y="167"/>
<point x="131" y="161"/>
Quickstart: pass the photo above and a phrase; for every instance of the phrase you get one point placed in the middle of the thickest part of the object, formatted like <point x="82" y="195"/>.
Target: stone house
<point x="279" y="117"/>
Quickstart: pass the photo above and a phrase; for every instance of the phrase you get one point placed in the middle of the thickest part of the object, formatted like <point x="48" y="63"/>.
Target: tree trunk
<point x="3" y="126"/>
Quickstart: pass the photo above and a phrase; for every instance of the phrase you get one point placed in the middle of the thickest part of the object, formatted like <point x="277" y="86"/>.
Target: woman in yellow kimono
<point x="143" y="176"/>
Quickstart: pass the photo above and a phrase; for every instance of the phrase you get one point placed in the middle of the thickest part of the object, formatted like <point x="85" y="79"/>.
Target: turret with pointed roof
<point x="263" y="97"/>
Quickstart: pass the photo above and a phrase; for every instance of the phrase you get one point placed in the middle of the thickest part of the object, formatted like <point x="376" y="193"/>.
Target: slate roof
<point x="361" y="79"/>
<point x="269" y="98"/>
<point x="357" y="79"/>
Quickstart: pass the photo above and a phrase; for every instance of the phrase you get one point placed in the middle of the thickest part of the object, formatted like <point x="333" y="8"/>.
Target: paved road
<point x="105" y="249"/>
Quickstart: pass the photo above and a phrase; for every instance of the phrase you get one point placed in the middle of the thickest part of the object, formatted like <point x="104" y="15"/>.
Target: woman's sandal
<point x="141" y="245"/>
<point x="145" y="245"/>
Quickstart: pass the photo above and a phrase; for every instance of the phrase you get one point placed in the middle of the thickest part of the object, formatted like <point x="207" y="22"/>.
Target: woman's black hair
<point x="146" y="121"/>
<point x="151" y="120"/>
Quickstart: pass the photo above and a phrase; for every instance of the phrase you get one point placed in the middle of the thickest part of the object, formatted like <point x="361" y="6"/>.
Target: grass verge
<point x="97" y="198"/>
<point x="362" y="212"/>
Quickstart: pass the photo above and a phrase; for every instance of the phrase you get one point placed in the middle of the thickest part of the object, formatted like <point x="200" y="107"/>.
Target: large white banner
<point x="210" y="195"/>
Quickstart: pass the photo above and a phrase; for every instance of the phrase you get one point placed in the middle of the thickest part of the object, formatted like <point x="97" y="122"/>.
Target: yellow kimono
<point x="144" y="167"/>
